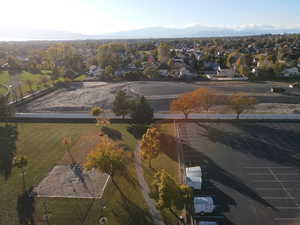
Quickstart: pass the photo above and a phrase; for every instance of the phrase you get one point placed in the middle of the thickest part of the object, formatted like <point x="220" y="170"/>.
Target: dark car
<point x="277" y="90"/>
<point x="295" y="85"/>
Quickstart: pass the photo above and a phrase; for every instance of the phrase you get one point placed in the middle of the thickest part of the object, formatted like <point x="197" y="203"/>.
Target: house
<point x="95" y="71"/>
<point x="211" y="66"/>
<point x="226" y="72"/>
<point x="289" y="72"/>
<point x="185" y="72"/>
<point x="163" y="72"/>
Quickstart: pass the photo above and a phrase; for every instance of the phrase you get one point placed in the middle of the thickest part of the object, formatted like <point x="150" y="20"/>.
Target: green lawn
<point x="35" y="78"/>
<point x="167" y="160"/>
<point x="41" y="144"/>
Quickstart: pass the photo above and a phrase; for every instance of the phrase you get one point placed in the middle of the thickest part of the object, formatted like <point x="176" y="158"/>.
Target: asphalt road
<point x="252" y="170"/>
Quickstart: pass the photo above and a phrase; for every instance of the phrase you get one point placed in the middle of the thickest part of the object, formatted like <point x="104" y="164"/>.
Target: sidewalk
<point x="163" y="116"/>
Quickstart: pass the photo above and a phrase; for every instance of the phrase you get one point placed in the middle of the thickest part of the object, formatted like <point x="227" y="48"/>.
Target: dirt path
<point x="155" y="213"/>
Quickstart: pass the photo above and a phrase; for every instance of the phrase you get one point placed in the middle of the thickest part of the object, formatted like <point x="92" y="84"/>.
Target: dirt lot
<point x="251" y="169"/>
<point x="82" y="96"/>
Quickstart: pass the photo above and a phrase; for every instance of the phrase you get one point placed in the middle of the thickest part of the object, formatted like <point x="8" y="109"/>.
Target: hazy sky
<point x="102" y="16"/>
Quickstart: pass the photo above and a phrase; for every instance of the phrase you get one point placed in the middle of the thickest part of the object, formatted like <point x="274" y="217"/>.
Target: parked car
<point x="277" y="90"/>
<point x="194" y="177"/>
<point x="295" y="85"/>
<point x="204" y="205"/>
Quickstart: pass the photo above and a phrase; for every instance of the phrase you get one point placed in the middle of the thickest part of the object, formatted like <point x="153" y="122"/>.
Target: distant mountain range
<point x="151" y="32"/>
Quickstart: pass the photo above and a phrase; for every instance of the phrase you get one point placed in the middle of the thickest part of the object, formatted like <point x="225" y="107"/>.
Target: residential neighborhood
<point x="150" y="112"/>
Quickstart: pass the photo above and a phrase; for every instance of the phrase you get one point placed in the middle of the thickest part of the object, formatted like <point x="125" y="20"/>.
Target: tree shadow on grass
<point x="135" y="214"/>
<point x="112" y="133"/>
<point x="137" y="130"/>
<point x="26" y="208"/>
<point x="8" y="147"/>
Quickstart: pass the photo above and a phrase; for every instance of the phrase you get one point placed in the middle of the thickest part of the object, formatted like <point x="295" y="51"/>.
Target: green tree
<point x="6" y="110"/>
<point x="150" y="145"/>
<point x="141" y="111"/>
<point x="168" y="194"/>
<point x="240" y="102"/>
<point x="121" y="105"/>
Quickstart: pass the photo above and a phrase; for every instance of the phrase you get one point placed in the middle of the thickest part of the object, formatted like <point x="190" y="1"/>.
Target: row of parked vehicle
<point x="203" y="207"/>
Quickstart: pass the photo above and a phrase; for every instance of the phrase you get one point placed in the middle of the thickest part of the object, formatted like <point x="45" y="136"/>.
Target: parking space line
<point x="274" y="189"/>
<point x="268" y="167"/>
<point x="270" y="198"/>
<point x="276" y="181"/>
<point x="291" y="219"/>
<point x="258" y="174"/>
<point x="287" y="207"/>
<point x="284" y="188"/>
<point x="278" y="174"/>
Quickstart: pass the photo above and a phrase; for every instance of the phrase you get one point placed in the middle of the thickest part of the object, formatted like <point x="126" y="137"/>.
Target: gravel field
<point x="82" y="96"/>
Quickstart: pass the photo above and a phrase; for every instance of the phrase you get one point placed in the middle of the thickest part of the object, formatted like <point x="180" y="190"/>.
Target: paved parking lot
<point x="252" y="169"/>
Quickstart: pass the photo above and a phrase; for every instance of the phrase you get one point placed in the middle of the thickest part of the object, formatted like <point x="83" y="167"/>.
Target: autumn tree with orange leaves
<point x="185" y="103"/>
<point x="205" y="98"/>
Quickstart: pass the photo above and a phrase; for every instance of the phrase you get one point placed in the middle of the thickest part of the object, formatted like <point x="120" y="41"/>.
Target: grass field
<point x="35" y="78"/>
<point x="42" y="145"/>
<point x="167" y="160"/>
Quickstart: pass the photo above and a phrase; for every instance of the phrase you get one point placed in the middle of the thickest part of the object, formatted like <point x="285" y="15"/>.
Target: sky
<point x="106" y="16"/>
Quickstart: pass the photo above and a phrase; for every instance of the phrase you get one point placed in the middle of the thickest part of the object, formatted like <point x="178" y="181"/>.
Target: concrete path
<point x="161" y="116"/>
<point x="155" y="213"/>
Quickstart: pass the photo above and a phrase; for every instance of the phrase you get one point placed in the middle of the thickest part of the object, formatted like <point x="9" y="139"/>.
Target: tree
<point x="240" y="102"/>
<point x="108" y="157"/>
<point x="30" y="85"/>
<point x="63" y="58"/>
<point x="108" y="73"/>
<point x="168" y="194"/>
<point x="141" y="111"/>
<point x="121" y="105"/>
<point x="6" y="110"/>
<point x="96" y="111"/>
<point x="21" y="163"/>
<point x="205" y="98"/>
<point x="110" y="54"/>
<point x="185" y="103"/>
<point x="232" y="58"/>
<point x="151" y="72"/>
<point x="163" y="52"/>
<point x="150" y="145"/>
